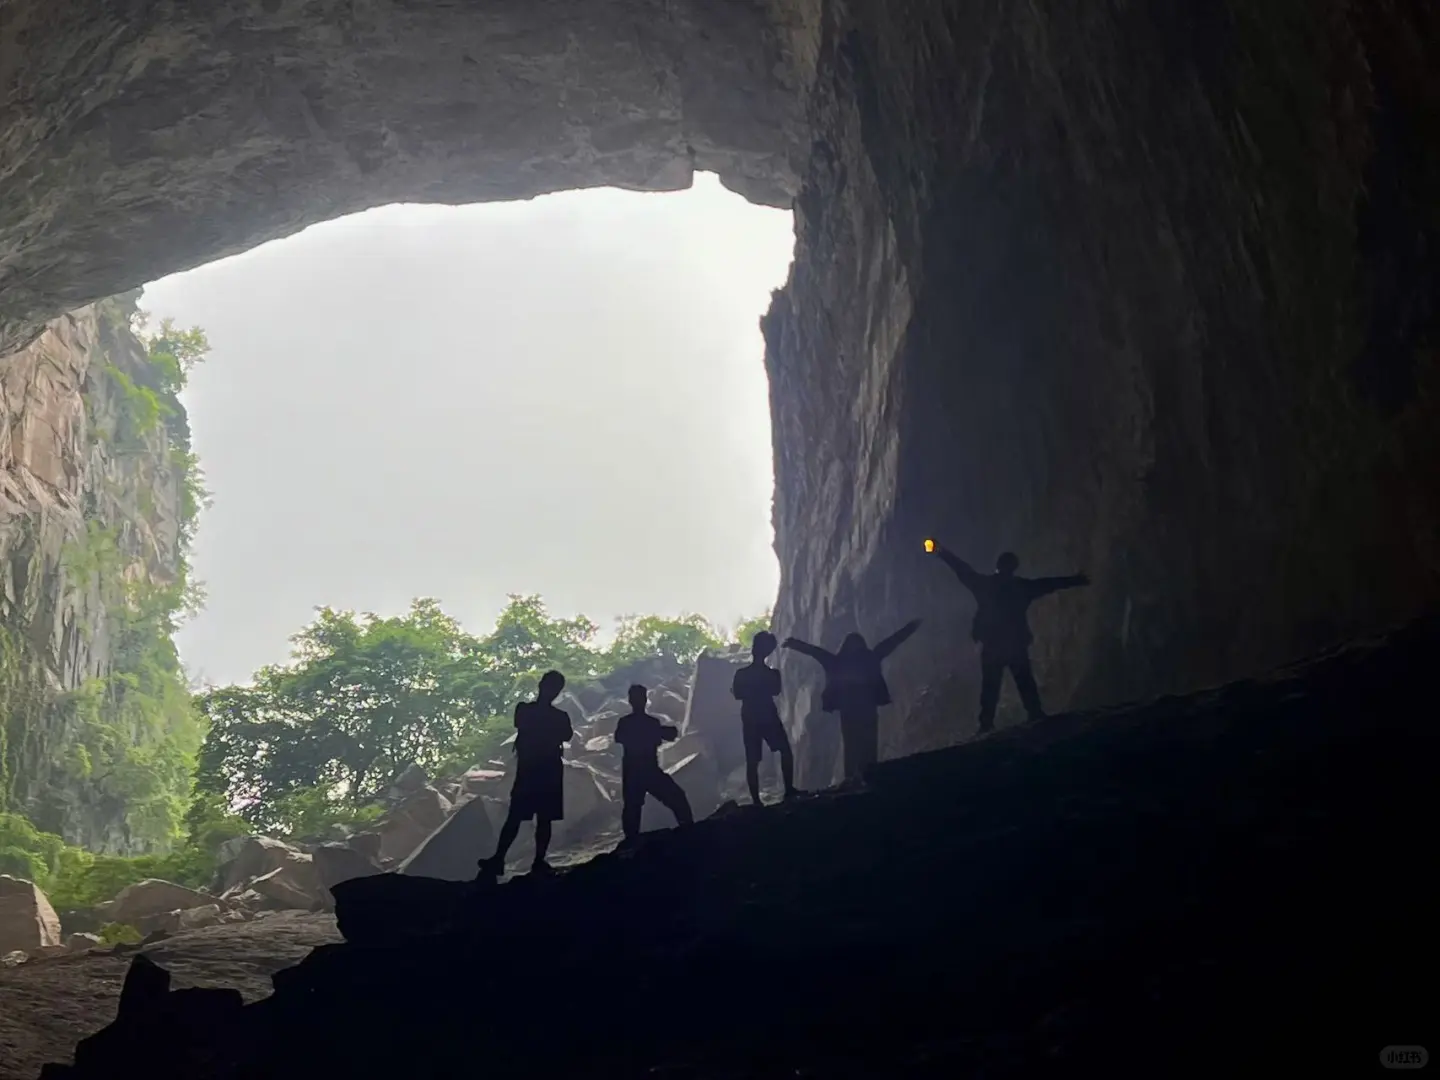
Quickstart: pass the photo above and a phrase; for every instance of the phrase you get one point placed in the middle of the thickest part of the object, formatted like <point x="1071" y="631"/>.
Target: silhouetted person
<point x="1002" y="627"/>
<point x="757" y="685"/>
<point x="539" y="789"/>
<point x="640" y="773"/>
<point x="855" y="687"/>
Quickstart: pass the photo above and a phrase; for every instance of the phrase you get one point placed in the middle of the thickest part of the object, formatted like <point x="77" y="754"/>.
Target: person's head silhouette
<point x="1007" y="564"/>
<point x="853" y="643"/>
<point x="551" y="683"/>
<point x="639" y="697"/>
<point x="762" y="644"/>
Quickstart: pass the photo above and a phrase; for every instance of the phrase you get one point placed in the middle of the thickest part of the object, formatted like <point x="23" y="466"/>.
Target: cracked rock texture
<point x="1143" y="289"/>
<point x="142" y="138"/>
<point x="62" y="471"/>
<point x="1146" y="290"/>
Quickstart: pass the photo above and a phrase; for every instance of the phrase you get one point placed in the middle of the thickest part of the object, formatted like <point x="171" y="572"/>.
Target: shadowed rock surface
<point x="1143" y="289"/>
<point x="1231" y="878"/>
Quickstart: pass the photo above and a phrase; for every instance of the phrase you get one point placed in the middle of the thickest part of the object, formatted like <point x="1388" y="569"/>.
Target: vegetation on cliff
<point x="304" y="745"/>
<point x="117" y="731"/>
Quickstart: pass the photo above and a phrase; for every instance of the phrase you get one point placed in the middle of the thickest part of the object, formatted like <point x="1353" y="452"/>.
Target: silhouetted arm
<point x="1046" y="585"/>
<point x="895" y="640"/>
<point x="963" y="570"/>
<point x="825" y="657"/>
<point x="669" y="732"/>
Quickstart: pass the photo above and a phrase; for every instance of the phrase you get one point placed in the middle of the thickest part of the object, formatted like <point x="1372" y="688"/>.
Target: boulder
<point x="367" y="844"/>
<point x="589" y="805"/>
<point x="668" y="704"/>
<point x="165" y="922"/>
<point x="27" y="921"/>
<point x="83" y="942"/>
<point x="335" y="863"/>
<point x="713" y="712"/>
<point x="290" y="887"/>
<point x="589" y="697"/>
<point x="451" y="851"/>
<point x="405" y="828"/>
<point x="410" y="781"/>
<point x="248" y="857"/>
<point x="196" y="918"/>
<point x="685" y="746"/>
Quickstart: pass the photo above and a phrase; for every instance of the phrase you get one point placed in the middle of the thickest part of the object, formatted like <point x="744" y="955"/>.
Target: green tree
<point x="677" y="640"/>
<point x="748" y="628"/>
<point x="363" y="697"/>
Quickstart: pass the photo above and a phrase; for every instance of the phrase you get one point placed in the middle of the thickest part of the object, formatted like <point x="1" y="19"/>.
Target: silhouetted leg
<point x="632" y="794"/>
<point x="753" y="742"/>
<point x="543" y="828"/>
<point x="787" y="768"/>
<point x="1025" y="683"/>
<point x="672" y="796"/>
<point x="860" y="730"/>
<point x="991" y="671"/>
<point x="508" y="832"/>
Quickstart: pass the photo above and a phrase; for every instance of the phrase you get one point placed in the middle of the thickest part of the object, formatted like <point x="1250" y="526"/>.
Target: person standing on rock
<point x="856" y="688"/>
<point x="541" y="731"/>
<point x="1002" y="627"/>
<point x="756" y="686"/>
<point x="640" y="773"/>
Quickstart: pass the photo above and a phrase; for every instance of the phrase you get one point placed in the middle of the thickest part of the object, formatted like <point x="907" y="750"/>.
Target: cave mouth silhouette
<point x="1145" y="289"/>
<point x="563" y="358"/>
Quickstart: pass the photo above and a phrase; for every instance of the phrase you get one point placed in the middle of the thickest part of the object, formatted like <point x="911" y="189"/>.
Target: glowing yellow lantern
<point x="929" y="547"/>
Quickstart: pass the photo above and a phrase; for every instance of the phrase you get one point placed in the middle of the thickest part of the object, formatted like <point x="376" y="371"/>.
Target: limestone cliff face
<point x="1144" y="290"/>
<point x="64" y="474"/>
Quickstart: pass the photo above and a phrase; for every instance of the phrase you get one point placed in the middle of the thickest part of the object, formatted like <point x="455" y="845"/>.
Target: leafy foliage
<point x="746" y="631"/>
<point x="317" y="740"/>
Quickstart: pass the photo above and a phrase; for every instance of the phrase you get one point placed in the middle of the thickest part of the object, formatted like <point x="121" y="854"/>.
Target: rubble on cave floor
<point x="1186" y="887"/>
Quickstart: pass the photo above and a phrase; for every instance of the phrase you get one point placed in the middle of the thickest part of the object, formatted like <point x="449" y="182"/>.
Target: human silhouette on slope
<point x="855" y="687"/>
<point x="757" y="685"/>
<point x="541" y="730"/>
<point x="1002" y="627"/>
<point x="640" y="773"/>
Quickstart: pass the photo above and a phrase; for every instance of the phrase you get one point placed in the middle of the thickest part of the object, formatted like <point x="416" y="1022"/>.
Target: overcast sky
<point x="564" y="397"/>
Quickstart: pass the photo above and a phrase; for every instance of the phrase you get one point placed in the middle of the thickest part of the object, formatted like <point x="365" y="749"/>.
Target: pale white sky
<point x="563" y="396"/>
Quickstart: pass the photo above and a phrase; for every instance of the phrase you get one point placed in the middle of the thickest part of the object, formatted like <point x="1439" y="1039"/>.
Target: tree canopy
<point x="321" y="737"/>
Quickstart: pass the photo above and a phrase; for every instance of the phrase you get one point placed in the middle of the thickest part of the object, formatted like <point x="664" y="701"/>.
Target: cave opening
<point x="564" y="397"/>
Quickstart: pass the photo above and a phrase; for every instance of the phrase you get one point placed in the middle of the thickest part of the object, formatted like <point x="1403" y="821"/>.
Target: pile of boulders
<point x="430" y="828"/>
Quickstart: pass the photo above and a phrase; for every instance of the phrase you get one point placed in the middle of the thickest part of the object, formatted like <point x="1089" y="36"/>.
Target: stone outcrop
<point x="1152" y="891"/>
<point x="248" y="857"/>
<point x="299" y="113"/>
<point x="1146" y="290"/>
<point x="451" y="851"/>
<point x="27" y="921"/>
<point x="154" y="897"/>
<point x="1143" y="290"/>
<point x="66" y="478"/>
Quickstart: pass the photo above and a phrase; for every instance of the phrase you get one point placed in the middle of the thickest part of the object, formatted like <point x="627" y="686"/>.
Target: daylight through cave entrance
<point x="563" y="397"/>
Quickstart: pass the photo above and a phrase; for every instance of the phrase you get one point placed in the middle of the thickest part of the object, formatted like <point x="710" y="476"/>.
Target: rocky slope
<point x="86" y="502"/>
<point x="1160" y="890"/>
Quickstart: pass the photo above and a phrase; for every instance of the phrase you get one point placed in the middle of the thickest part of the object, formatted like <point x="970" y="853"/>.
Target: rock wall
<point x="1138" y="288"/>
<point x="148" y="137"/>
<point x="64" y="473"/>
<point x="1143" y="289"/>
